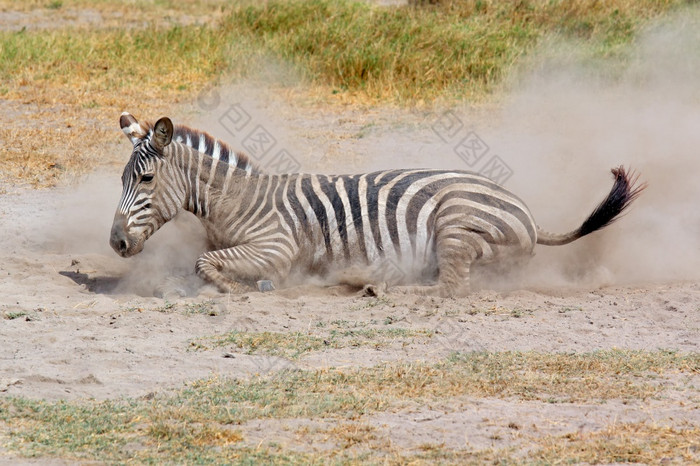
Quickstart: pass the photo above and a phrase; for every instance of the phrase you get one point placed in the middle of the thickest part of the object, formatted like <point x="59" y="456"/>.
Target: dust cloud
<point x="569" y="123"/>
<point x="560" y="130"/>
<point x="80" y="225"/>
<point x="565" y="123"/>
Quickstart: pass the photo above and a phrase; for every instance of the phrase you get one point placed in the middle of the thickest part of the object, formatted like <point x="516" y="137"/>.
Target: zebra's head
<point x="148" y="200"/>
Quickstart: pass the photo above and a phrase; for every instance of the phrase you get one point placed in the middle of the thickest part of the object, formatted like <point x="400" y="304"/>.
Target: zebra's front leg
<point x="230" y="268"/>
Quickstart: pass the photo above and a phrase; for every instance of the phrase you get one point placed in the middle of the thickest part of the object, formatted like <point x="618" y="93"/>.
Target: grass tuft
<point x="643" y="443"/>
<point x="69" y="84"/>
<point x="293" y="345"/>
<point x="194" y="424"/>
<point x="430" y="49"/>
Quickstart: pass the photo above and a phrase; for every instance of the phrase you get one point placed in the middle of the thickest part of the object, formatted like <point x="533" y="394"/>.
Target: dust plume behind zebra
<point x="419" y="229"/>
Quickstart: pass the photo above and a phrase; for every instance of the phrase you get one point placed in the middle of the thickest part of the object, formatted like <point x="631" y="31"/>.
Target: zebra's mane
<point x="207" y="144"/>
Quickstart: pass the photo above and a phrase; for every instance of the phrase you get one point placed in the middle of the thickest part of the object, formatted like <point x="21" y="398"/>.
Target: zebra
<point x="436" y="224"/>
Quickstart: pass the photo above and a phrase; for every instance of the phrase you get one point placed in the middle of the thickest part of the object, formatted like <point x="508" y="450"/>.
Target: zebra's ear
<point x="131" y="127"/>
<point x="162" y="133"/>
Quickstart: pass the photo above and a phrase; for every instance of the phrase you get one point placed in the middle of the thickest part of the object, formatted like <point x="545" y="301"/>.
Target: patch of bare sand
<point x="104" y="15"/>
<point x="73" y="329"/>
<point x="70" y="342"/>
<point x="80" y="322"/>
<point x="468" y="424"/>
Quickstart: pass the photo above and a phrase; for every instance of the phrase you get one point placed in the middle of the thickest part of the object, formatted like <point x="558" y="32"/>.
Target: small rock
<point x="5" y="384"/>
<point x="265" y="285"/>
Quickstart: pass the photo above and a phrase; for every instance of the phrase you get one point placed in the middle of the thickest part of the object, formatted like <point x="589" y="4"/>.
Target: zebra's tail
<point x="624" y="191"/>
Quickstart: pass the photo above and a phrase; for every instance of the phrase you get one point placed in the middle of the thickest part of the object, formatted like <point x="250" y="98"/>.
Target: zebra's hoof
<point x="265" y="285"/>
<point x="374" y="291"/>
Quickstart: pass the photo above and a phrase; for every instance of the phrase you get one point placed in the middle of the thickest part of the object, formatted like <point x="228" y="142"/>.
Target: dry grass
<point x="181" y="435"/>
<point x="197" y="423"/>
<point x="294" y="345"/>
<point x="69" y="81"/>
<point x="68" y="87"/>
<point x="644" y="443"/>
<point x="350" y="434"/>
<point x="50" y="146"/>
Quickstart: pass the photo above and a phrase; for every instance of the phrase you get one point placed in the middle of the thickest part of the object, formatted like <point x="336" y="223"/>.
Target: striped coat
<point x="396" y="226"/>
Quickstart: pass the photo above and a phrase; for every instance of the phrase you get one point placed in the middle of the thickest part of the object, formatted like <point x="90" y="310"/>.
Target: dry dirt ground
<point x="79" y="322"/>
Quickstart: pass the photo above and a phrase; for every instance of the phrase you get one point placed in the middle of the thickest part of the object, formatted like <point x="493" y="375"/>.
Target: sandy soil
<point x="84" y="331"/>
<point x="80" y="322"/>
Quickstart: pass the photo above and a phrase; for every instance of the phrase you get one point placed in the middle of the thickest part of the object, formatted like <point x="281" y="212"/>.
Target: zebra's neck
<point x="206" y="181"/>
<point x="205" y="143"/>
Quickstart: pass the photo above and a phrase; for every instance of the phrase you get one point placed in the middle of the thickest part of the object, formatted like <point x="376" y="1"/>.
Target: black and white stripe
<point x="266" y="226"/>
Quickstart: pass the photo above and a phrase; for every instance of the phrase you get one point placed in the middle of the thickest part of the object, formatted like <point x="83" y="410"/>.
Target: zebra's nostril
<point x="122" y="245"/>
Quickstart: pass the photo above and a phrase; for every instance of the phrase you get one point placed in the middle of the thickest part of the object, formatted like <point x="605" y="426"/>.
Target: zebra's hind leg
<point x="456" y="252"/>
<point x="230" y="268"/>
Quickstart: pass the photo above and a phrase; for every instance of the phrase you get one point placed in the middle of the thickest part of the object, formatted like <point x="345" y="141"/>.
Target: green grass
<point x="199" y="423"/>
<point x="411" y="53"/>
<point x="293" y="345"/>
<point x="462" y="50"/>
<point x="78" y="80"/>
<point x="402" y="53"/>
<point x="106" y="60"/>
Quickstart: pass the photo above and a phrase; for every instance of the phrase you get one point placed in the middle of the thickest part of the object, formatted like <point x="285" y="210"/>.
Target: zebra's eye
<point x="146" y="178"/>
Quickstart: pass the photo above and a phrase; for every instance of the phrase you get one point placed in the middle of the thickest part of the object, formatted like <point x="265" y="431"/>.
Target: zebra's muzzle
<point x="120" y="241"/>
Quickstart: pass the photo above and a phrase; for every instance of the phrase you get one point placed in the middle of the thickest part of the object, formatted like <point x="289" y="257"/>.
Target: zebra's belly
<point x="394" y="268"/>
<point x="356" y="259"/>
<point x="400" y="253"/>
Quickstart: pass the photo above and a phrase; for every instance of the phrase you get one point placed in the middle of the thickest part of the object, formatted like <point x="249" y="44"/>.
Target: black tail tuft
<point x="624" y="191"/>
